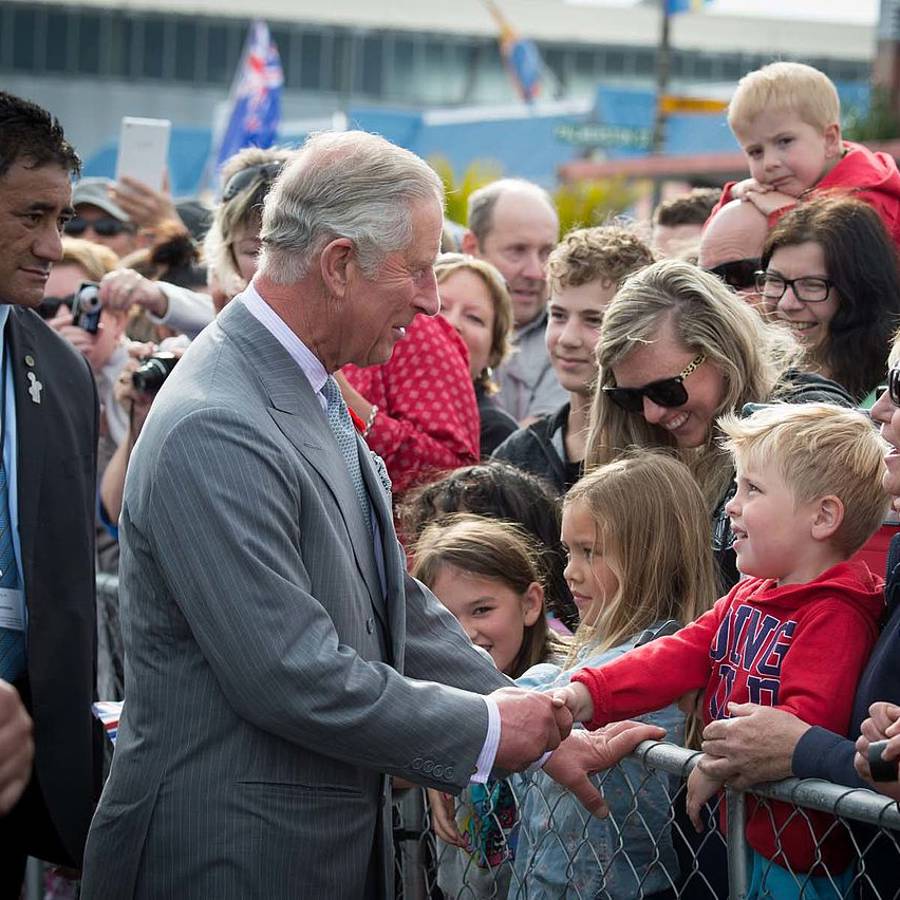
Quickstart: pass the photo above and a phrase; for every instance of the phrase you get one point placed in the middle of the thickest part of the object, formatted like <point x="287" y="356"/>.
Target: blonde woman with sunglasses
<point x="678" y="349"/>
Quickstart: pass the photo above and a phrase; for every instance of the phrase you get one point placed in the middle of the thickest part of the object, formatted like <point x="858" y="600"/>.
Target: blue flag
<point x="679" y="6"/>
<point x="255" y="96"/>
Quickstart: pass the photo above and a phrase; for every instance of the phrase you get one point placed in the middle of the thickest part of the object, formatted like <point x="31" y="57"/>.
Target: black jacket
<point x="532" y="449"/>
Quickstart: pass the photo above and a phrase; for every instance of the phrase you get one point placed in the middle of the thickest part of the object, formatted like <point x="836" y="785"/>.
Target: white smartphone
<point x="143" y="150"/>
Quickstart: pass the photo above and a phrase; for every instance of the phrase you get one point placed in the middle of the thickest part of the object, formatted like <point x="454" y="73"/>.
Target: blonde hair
<point x="492" y="549"/>
<point x="606" y="252"/>
<point x="95" y="259"/>
<point x="243" y="211"/>
<point x="785" y="86"/>
<point x="705" y="317"/>
<point x="501" y="346"/>
<point x="652" y="524"/>
<point x="819" y="450"/>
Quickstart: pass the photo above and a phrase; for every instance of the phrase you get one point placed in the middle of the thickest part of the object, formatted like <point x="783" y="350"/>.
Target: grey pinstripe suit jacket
<point x="263" y="687"/>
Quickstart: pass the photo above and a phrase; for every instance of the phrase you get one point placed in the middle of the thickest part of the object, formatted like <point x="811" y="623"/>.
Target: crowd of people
<point x="395" y="500"/>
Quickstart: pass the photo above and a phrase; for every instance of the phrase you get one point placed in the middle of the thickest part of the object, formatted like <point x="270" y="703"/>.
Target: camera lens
<point x="150" y="374"/>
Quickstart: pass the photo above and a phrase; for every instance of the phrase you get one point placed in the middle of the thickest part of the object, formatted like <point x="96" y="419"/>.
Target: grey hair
<point x="482" y="202"/>
<point x="347" y="184"/>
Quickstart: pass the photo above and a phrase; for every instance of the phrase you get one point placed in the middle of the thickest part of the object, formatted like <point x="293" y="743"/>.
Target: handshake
<point x="533" y="724"/>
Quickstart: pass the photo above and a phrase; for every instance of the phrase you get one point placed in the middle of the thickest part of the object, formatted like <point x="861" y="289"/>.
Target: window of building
<point x="24" y="25"/>
<point x="311" y="60"/>
<point x="369" y="70"/>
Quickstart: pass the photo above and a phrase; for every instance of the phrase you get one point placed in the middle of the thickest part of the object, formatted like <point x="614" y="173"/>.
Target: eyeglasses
<point x="265" y="173"/>
<point x="107" y="226"/>
<point x="809" y="289"/>
<point x="666" y="392"/>
<point x="738" y="273"/>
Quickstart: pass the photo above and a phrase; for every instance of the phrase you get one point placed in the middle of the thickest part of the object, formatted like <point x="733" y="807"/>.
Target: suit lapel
<point x="296" y="410"/>
<point x="31" y="432"/>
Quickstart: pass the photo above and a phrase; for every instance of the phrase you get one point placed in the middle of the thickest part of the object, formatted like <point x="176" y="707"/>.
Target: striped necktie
<point x="12" y="641"/>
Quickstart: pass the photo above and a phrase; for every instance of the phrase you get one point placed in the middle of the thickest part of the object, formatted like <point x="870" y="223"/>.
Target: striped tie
<point x="12" y="641"/>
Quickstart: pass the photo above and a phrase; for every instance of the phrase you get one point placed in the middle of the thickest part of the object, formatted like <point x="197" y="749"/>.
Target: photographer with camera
<point x="141" y="377"/>
<point x="97" y="332"/>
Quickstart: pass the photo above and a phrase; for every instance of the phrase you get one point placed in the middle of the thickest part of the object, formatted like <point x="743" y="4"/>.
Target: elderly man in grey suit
<point x="279" y="661"/>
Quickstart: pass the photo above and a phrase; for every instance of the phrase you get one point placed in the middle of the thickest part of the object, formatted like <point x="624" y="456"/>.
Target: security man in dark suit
<point x="48" y="441"/>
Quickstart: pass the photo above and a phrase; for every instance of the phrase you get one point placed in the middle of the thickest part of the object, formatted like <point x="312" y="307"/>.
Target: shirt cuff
<point x="485" y="763"/>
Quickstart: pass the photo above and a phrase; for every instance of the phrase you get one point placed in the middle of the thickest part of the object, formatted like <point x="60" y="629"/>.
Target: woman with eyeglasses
<point x="768" y="744"/>
<point x="829" y="273"/>
<point x="677" y="350"/>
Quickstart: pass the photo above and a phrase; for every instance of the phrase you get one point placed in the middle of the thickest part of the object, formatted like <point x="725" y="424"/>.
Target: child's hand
<point x="443" y="818"/>
<point x="700" y="788"/>
<point x="577" y="698"/>
<point x="769" y="201"/>
<point x="740" y="190"/>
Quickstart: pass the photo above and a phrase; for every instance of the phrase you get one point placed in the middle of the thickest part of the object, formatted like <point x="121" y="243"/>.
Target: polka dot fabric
<point x="427" y="418"/>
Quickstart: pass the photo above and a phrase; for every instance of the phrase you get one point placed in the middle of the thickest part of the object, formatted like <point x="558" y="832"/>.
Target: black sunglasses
<point x="265" y="173"/>
<point x="892" y="386"/>
<point x="738" y="273"/>
<point x="50" y="305"/>
<point x="666" y="392"/>
<point x="106" y="226"/>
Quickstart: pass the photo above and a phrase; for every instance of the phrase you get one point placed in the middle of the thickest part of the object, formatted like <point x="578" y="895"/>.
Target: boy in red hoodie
<point x="794" y="634"/>
<point x="786" y="117"/>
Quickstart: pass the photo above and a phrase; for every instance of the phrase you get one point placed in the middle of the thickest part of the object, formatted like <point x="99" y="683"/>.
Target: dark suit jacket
<point x="56" y="470"/>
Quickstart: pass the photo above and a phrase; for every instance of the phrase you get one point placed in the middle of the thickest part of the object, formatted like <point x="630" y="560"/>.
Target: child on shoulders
<point x="786" y="117"/>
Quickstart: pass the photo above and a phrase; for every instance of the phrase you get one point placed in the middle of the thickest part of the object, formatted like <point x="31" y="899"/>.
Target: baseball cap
<point x="94" y="191"/>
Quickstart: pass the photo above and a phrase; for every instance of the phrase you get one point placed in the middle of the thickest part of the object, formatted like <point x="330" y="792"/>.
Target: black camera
<point x="153" y="371"/>
<point x="86" y="307"/>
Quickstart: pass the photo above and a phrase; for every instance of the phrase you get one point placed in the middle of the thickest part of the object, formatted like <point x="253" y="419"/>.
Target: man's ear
<point x="335" y="262"/>
<point x="829" y="515"/>
<point x="469" y="244"/>
<point x="834" y="144"/>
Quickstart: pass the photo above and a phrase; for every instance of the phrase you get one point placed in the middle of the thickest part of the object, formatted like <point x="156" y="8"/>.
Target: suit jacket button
<point x="370" y="625"/>
<point x="417" y="763"/>
<point x="428" y="766"/>
<point x="438" y="771"/>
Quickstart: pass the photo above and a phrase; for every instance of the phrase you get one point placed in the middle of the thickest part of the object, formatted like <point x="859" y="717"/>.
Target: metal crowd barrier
<point x="711" y="865"/>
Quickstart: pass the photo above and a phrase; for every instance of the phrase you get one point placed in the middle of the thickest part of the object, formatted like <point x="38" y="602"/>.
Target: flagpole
<point x="663" y="69"/>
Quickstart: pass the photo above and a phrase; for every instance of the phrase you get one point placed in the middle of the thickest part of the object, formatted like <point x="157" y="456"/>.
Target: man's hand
<point x="16" y="747"/>
<point x="123" y="288"/>
<point x="756" y="744"/>
<point x="577" y="699"/>
<point x="883" y="724"/>
<point x="531" y="723"/>
<point x="63" y="324"/>
<point x="700" y="787"/>
<point x="585" y="753"/>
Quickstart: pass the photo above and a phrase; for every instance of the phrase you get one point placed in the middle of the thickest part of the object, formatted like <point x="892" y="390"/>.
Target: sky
<point x="857" y="11"/>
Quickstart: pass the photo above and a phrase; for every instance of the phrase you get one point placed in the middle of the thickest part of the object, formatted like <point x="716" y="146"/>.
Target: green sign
<point x="595" y="134"/>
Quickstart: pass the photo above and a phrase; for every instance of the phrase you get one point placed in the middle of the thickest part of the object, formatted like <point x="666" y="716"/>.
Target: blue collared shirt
<point x="10" y="445"/>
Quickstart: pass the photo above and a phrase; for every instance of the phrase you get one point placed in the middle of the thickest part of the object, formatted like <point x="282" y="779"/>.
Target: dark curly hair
<point x="497" y="490"/>
<point x="862" y="263"/>
<point x="27" y="131"/>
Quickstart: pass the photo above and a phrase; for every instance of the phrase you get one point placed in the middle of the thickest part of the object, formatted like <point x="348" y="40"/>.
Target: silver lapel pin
<point x="35" y="388"/>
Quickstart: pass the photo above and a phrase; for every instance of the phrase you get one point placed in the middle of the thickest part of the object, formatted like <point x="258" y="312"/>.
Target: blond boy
<point x="786" y="117"/>
<point x="796" y="632"/>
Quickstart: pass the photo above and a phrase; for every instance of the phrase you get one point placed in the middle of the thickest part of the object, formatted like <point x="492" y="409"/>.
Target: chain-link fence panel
<point x="528" y="839"/>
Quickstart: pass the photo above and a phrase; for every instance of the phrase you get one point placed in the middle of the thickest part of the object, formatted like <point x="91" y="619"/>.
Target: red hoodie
<point x="870" y="176"/>
<point x="800" y="647"/>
